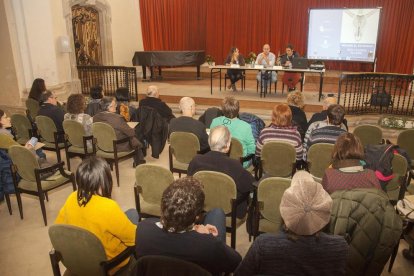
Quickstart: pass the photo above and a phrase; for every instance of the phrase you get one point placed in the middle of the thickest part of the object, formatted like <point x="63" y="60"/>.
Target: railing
<point x="110" y="78"/>
<point x="377" y="93"/>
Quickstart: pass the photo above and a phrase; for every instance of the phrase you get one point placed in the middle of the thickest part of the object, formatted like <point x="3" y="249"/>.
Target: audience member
<point x="301" y="248"/>
<point x="186" y="123"/>
<point x="94" y="105"/>
<point x="330" y="132"/>
<point x="75" y="107"/>
<point x="281" y="129"/>
<point x="218" y="160"/>
<point x="180" y="234"/>
<point x="267" y="59"/>
<point x="91" y="208"/>
<point x="49" y="108"/>
<point x="289" y="78"/>
<point x="234" y="57"/>
<point x="38" y="87"/>
<point x="124" y="108"/>
<point x="239" y="129"/>
<point x="296" y="104"/>
<point x="321" y="116"/>
<point x="122" y="129"/>
<point x="153" y="100"/>
<point x="211" y="113"/>
<point x="347" y="171"/>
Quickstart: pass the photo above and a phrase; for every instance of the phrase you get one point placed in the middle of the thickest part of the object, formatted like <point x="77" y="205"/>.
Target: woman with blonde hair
<point x="296" y="103"/>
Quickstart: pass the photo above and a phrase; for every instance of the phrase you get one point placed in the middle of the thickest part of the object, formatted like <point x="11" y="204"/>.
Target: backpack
<point x="254" y="121"/>
<point x="379" y="159"/>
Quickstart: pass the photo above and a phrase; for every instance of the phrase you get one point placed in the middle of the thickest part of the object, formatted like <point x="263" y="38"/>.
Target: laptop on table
<point x="300" y="63"/>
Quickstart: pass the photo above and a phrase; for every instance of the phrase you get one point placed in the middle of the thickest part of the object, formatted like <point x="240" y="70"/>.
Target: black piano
<point x="159" y="59"/>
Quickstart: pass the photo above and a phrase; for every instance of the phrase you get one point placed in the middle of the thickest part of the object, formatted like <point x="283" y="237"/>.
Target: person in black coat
<point x="49" y="108"/>
<point x="153" y="100"/>
<point x="296" y="104"/>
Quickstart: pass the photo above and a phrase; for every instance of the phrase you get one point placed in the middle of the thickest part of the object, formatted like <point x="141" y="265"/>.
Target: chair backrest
<point x="75" y="132"/>
<point x="166" y="266"/>
<point x="81" y="251"/>
<point x="219" y="189"/>
<point x="278" y="158"/>
<point x="6" y="141"/>
<point x="33" y="107"/>
<point x="319" y="157"/>
<point x="25" y="161"/>
<point x="236" y="149"/>
<point x="153" y="180"/>
<point x="269" y="195"/>
<point x="184" y="146"/>
<point x="46" y="128"/>
<point x="405" y="141"/>
<point x="399" y="169"/>
<point x="105" y="136"/>
<point x="368" y="134"/>
<point x="22" y="125"/>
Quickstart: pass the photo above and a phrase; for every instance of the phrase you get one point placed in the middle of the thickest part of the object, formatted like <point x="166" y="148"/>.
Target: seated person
<point x="122" y="129"/>
<point x="186" y="123"/>
<point x="267" y="59"/>
<point x="124" y="108"/>
<point x="300" y="248"/>
<point x="94" y="105"/>
<point x="296" y="103"/>
<point x="91" y="208"/>
<point x="330" y="132"/>
<point x="218" y="160"/>
<point x="239" y="129"/>
<point x="179" y="233"/>
<point x="49" y="108"/>
<point x="289" y="78"/>
<point x="75" y="107"/>
<point x="347" y="171"/>
<point x="234" y="57"/>
<point x="321" y="116"/>
<point x="153" y="100"/>
<point x="281" y="129"/>
<point x="38" y="87"/>
<point x="211" y="113"/>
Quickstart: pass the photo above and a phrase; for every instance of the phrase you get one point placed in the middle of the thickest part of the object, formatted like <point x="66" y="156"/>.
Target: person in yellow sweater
<point x="91" y="208"/>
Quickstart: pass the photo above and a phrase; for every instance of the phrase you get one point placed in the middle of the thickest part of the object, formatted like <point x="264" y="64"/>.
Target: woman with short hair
<point x="75" y="107"/>
<point x="296" y="103"/>
<point x="94" y="105"/>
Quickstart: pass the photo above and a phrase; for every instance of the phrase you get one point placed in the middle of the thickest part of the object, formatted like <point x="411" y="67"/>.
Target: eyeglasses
<point x="53" y="97"/>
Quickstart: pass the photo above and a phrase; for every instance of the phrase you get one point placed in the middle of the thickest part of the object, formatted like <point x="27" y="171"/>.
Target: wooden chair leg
<point x="47" y="197"/>
<point x="8" y="203"/>
<point x="117" y="172"/>
<point x="19" y="203"/>
<point x="59" y="158"/>
<point x="55" y="263"/>
<point x="42" y="206"/>
<point x="68" y="161"/>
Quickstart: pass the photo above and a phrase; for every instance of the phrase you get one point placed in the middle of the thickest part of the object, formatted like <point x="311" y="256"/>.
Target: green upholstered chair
<point x="397" y="186"/>
<point x="319" y="157"/>
<point x="150" y="183"/>
<point x="166" y="266"/>
<point x="405" y="141"/>
<point x="49" y="135"/>
<point x="22" y="128"/>
<point x="33" y="180"/>
<point x="32" y="108"/>
<point x="220" y="192"/>
<point x="236" y="152"/>
<point x="278" y="159"/>
<point x="82" y="253"/>
<point x="183" y="147"/>
<point x="76" y="141"/>
<point x="269" y="195"/>
<point x="368" y="134"/>
<point x="106" y="143"/>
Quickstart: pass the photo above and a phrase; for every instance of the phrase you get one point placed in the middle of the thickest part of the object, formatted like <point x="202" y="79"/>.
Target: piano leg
<point x="159" y="77"/>
<point x="198" y="72"/>
<point x="144" y="74"/>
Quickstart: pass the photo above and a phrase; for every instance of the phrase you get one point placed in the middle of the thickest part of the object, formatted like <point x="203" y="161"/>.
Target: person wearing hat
<point x="300" y="248"/>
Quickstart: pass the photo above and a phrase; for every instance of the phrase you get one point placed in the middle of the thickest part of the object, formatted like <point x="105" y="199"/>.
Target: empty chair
<point x="34" y="180"/>
<point x="278" y="159"/>
<point x="405" y="141"/>
<point x="77" y="143"/>
<point x="368" y="134"/>
<point x="319" y="158"/>
<point x="150" y="183"/>
<point x="396" y="187"/>
<point x="183" y="147"/>
<point x="50" y="136"/>
<point x="82" y="253"/>
<point x="220" y="192"/>
<point x="22" y="128"/>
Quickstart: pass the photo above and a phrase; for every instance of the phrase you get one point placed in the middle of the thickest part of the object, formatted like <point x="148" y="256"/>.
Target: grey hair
<point x="152" y="91"/>
<point x="219" y="138"/>
<point x="329" y="101"/>
<point x="106" y="102"/>
<point x="186" y="103"/>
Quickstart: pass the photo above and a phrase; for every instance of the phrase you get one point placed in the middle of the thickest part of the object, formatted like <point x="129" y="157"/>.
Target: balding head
<point x="152" y="91"/>
<point x="219" y="139"/>
<point x="187" y="106"/>
<point x="328" y="101"/>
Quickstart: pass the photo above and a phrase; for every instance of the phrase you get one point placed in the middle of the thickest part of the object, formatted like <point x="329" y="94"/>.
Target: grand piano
<point x="159" y="59"/>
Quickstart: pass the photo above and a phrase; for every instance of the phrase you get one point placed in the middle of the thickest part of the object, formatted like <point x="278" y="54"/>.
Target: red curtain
<point x="217" y="25"/>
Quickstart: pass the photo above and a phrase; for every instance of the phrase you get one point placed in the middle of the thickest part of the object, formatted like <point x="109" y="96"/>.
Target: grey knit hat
<point x="305" y="206"/>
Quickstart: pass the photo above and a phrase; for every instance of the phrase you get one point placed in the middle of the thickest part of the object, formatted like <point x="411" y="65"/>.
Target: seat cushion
<point x="52" y="145"/>
<point x="268" y="226"/>
<point x="51" y="182"/>
<point x="74" y="149"/>
<point x="179" y="165"/>
<point x="110" y="155"/>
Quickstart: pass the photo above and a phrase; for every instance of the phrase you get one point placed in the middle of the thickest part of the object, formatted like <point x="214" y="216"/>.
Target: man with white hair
<point x="218" y="160"/>
<point x="186" y="123"/>
<point x="153" y="100"/>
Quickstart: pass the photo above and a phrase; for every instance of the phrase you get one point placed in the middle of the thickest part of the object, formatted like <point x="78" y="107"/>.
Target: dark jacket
<point x="299" y="120"/>
<point x="322" y="116"/>
<point x="163" y="109"/>
<point x="369" y="223"/>
<point x="188" y="124"/>
<point x="152" y="129"/>
<point x="54" y="112"/>
<point x="93" y="107"/>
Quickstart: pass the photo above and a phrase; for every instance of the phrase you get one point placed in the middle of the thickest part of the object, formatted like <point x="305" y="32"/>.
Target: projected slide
<point x="343" y="34"/>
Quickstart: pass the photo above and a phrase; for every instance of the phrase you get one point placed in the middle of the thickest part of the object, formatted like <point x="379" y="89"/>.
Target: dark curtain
<point x="217" y="25"/>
